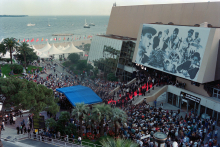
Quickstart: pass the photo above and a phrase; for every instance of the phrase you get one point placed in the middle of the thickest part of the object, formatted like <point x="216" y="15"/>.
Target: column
<point x="187" y="105"/>
<point x="199" y="109"/>
<point x="177" y="102"/>
<point x="172" y="98"/>
<point x="194" y="107"/>
<point x="180" y="102"/>
<point x="205" y="109"/>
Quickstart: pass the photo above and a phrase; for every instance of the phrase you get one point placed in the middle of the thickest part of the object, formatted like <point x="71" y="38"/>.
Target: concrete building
<point x="191" y="53"/>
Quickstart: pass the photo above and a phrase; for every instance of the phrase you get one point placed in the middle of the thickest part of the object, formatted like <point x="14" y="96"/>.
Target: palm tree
<point x="118" y="116"/>
<point x="24" y="49"/>
<point x="110" y="142"/>
<point x="8" y="44"/>
<point x="101" y="112"/>
<point x="79" y="111"/>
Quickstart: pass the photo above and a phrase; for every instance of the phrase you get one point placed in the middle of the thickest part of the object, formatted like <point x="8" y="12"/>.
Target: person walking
<point x="155" y="103"/>
<point x="79" y="140"/>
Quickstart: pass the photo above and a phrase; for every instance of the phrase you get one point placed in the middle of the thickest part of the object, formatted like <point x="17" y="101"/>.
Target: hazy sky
<point x="73" y="7"/>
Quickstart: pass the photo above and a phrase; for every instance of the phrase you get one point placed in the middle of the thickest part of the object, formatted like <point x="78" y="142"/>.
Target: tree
<point x="118" y="116"/>
<point x="8" y="44"/>
<point x="81" y="65"/>
<point x="101" y="112"/>
<point x="111" y="142"/>
<point x="26" y="53"/>
<point x="79" y="111"/>
<point x="27" y="95"/>
<point x="50" y="122"/>
<point x="74" y="57"/>
<point x="112" y="77"/>
<point x="64" y="117"/>
<point x="87" y="47"/>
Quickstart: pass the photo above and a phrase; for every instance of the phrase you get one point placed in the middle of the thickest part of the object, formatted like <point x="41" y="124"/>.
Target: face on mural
<point x="145" y="40"/>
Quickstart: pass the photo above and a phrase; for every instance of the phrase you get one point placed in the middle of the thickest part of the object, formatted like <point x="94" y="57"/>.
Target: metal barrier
<point x="62" y="141"/>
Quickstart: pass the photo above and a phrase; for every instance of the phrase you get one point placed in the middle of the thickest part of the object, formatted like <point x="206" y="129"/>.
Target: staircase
<point x="151" y="95"/>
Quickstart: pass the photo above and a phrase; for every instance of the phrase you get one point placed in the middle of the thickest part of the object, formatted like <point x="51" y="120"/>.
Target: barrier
<point x="62" y="141"/>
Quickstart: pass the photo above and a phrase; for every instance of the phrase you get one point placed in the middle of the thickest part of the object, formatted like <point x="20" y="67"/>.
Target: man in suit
<point x="190" y="67"/>
<point x="145" y="43"/>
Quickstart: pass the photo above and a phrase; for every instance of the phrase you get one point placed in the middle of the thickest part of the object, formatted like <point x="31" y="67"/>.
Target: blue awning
<point x="80" y="94"/>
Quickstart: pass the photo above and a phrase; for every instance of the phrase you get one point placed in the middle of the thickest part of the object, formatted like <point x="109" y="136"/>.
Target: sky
<point x="74" y="7"/>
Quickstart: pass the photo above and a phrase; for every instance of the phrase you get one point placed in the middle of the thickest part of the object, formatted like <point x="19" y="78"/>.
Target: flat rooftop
<point x="118" y="37"/>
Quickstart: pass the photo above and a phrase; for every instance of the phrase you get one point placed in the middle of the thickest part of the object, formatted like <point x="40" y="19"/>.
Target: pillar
<point x="187" y="105"/>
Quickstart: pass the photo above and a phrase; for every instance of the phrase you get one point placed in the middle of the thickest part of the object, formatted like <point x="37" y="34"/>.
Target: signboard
<point x="190" y="97"/>
<point x="177" y="50"/>
<point x="39" y="122"/>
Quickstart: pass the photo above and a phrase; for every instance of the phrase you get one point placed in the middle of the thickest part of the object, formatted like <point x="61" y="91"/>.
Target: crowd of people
<point x="143" y="120"/>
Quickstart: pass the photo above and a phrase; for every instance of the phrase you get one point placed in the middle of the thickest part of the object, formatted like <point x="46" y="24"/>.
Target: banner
<point x="173" y="49"/>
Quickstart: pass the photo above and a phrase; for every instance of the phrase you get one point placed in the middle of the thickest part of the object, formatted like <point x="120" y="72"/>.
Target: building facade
<point x="177" y="39"/>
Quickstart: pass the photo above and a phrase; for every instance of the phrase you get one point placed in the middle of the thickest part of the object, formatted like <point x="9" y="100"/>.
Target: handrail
<point x="118" y="87"/>
<point x="148" y="91"/>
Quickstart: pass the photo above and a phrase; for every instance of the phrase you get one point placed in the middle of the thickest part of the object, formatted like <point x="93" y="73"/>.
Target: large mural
<point x="174" y="49"/>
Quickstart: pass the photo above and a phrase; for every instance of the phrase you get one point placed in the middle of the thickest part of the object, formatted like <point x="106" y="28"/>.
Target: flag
<point x="86" y="55"/>
<point x="42" y="39"/>
<point x="27" y="40"/>
<point x="32" y="40"/>
<point x="37" y="40"/>
<point x="23" y="40"/>
<point x="18" y="40"/>
<point x="68" y="39"/>
<point x="64" y="38"/>
<point x="54" y="39"/>
<point x="46" y="39"/>
<point x="59" y="39"/>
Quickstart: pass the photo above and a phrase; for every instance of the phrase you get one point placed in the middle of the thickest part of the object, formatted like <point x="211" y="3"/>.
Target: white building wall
<point x="97" y="45"/>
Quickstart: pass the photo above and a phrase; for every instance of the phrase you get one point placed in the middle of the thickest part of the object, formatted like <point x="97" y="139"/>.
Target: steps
<point x="150" y="97"/>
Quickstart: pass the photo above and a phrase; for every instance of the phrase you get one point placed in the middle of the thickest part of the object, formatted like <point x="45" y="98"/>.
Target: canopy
<point x="42" y="55"/>
<point x="72" y="49"/>
<point x="53" y="51"/>
<point x="59" y="47"/>
<point x="46" y="48"/>
<point x="7" y="55"/>
<point x="36" y="51"/>
<point x="64" y="48"/>
<point x="80" y="94"/>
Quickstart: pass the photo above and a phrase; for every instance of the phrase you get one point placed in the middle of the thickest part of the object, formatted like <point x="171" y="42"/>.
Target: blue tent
<point x="80" y="94"/>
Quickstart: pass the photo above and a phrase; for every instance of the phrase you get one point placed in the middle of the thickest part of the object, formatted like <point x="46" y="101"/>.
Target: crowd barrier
<point x="62" y="141"/>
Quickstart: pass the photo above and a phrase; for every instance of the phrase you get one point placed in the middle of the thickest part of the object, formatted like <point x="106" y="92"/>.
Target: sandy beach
<point x="76" y="43"/>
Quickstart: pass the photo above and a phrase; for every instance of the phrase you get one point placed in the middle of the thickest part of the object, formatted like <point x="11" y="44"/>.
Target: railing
<point x="62" y="141"/>
<point x="118" y="88"/>
<point x="148" y="91"/>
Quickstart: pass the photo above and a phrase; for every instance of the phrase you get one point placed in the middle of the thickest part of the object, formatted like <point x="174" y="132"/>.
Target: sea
<point x="16" y="27"/>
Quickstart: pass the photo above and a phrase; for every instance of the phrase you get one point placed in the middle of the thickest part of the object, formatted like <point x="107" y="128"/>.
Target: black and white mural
<point x="174" y="49"/>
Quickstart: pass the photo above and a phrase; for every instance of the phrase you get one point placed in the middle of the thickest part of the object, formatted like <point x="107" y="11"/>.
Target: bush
<point x="74" y="57"/>
<point x="72" y="67"/>
<point x="81" y="65"/>
<point x="17" y="69"/>
<point x="67" y="64"/>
